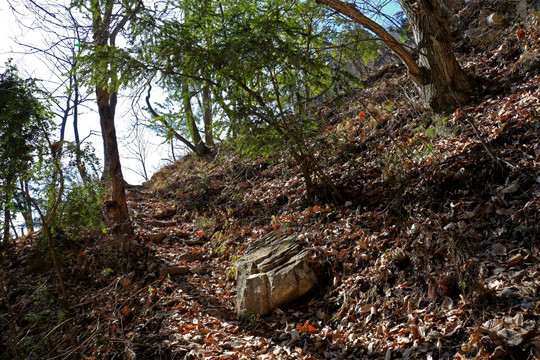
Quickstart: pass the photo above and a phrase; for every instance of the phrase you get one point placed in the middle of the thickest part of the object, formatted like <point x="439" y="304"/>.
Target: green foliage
<point x="107" y="272"/>
<point x="231" y="270"/>
<point x="359" y="46"/>
<point x="23" y="124"/>
<point x="24" y="128"/>
<point x="81" y="212"/>
<point x="76" y="158"/>
<point x="101" y="62"/>
<point x="266" y="62"/>
<point x="275" y="62"/>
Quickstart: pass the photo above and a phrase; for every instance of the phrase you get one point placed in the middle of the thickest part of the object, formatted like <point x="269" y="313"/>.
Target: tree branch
<point x="156" y="116"/>
<point x="416" y="73"/>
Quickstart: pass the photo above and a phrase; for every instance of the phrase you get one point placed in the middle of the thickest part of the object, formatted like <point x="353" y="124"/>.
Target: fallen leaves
<point x="434" y="257"/>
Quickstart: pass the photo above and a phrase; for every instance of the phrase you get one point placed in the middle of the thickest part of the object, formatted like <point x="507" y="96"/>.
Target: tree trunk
<point x="207" y="116"/>
<point x="306" y="173"/>
<point x="7" y="220"/>
<point x="172" y="150"/>
<point x="117" y="209"/>
<point x="80" y="165"/>
<point x="445" y="85"/>
<point x="105" y="176"/>
<point x="442" y="83"/>
<point x="166" y="124"/>
<point x="104" y="34"/>
<point x="26" y="208"/>
<point x="200" y="147"/>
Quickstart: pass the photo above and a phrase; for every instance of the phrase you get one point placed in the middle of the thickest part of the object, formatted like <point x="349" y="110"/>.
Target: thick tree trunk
<point x="442" y="83"/>
<point x="117" y="207"/>
<point x="445" y="85"/>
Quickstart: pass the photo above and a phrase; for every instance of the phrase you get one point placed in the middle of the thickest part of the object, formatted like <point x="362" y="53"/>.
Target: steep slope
<point x="433" y="254"/>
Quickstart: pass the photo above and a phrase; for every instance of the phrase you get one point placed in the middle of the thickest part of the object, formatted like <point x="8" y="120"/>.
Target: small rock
<point x="275" y="272"/>
<point x="165" y="213"/>
<point x="198" y="270"/>
<point x="195" y="242"/>
<point x="189" y="257"/>
<point x="157" y="238"/>
<point x="173" y="270"/>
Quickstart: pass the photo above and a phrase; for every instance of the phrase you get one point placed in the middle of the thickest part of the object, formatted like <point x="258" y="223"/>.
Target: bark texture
<point x="200" y="147"/>
<point x="446" y="86"/>
<point x="442" y="83"/>
<point x="117" y="209"/>
<point x="104" y="33"/>
<point x="207" y="115"/>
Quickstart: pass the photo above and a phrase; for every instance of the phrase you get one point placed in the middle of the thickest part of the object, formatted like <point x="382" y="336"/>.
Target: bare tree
<point x="139" y="149"/>
<point x="58" y="48"/>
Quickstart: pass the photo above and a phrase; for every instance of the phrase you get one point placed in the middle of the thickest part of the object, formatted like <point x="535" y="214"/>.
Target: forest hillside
<point x="425" y="241"/>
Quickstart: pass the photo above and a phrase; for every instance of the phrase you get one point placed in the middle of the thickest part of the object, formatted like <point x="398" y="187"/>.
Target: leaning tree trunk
<point x="117" y="207"/>
<point x="445" y="85"/>
<point x="442" y="83"/>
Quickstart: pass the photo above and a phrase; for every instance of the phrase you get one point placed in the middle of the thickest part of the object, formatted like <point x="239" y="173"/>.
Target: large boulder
<point x="274" y="272"/>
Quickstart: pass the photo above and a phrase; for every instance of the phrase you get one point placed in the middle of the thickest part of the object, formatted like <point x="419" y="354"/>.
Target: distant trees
<point x="138" y="147"/>
<point x="442" y="83"/>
